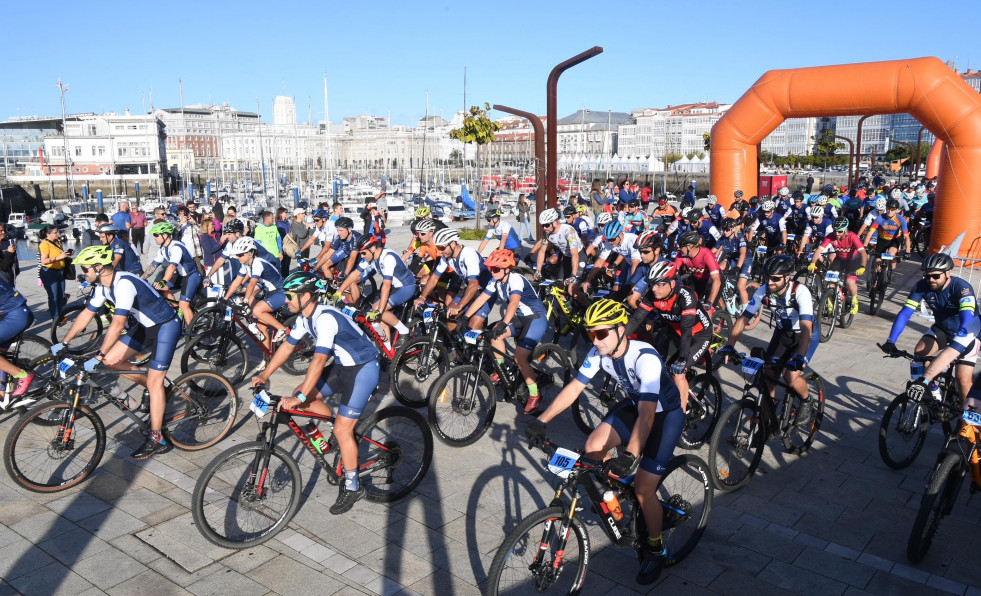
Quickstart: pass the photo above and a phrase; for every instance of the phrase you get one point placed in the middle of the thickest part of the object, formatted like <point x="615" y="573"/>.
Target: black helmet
<point x="940" y="261"/>
<point x="234" y="227"/>
<point x="497" y="213"/>
<point x="892" y="204"/>
<point x="344" y="222"/>
<point x="840" y="224"/>
<point x="569" y="210"/>
<point x="729" y="224"/>
<point x="738" y="194"/>
<point x="689" y="238"/>
<point x="633" y="203"/>
<point x="367" y="241"/>
<point x="694" y="215"/>
<point x="302" y="281"/>
<point x="754" y="201"/>
<point x="798" y="195"/>
<point x="779" y="265"/>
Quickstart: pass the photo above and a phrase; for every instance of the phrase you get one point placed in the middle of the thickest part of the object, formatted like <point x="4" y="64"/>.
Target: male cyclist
<point x="892" y="229"/>
<point x="258" y="273"/>
<point x="468" y="266"/>
<point x="324" y="231"/>
<point x="731" y="253"/>
<point x="648" y="424"/>
<point x="154" y="321"/>
<point x="773" y="226"/>
<point x="953" y="337"/>
<point x="124" y="258"/>
<point x="180" y="264"/>
<point x="338" y="257"/>
<point x="619" y="254"/>
<point x="818" y="228"/>
<point x="523" y="317"/>
<point x="700" y="263"/>
<point x="563" y="239"/>
<point x="795" y="338"/>
<point x="572" y="218"/>
<point x="634" y="219"/>
<point x="849" y="257"/>
<point x="715" y="211"/>
<point x="502" y="230"/>
<point x="355" y="373"/>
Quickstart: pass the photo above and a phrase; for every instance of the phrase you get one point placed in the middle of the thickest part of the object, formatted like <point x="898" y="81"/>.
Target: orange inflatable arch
<point x="925" y="87"/>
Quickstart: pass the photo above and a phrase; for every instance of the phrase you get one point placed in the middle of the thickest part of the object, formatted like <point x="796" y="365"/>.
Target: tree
<point x="707" y="140"/>
<point x="670" y="158"/>
<point x="477" y="128"/>
<point x="827" y="146"/>
<point x="456" y="156"/>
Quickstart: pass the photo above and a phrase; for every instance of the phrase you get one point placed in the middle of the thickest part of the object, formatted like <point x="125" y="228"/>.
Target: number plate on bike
<point x="260" y="405"/>
<point x="972" y="418"/>
<point x="427" y="315"/>
<point x="214" y="291"/>
<point x="887" y="257"/>
<point x="349" y="311"/>
<point x="761" y="250"/>
<point x="791" y="237"/>
<point x="831" y="276"/>
<point x="751" y="366"/>
<point x="562" y="462"/>
<point x="471" y="337"/>
<point x="65" y="365"/>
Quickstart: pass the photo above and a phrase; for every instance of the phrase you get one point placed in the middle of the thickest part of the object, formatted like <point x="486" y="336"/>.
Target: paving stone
<point x="456" y="558"/>
<point x="111" y="524"/>
<point x="43" y="526"/>
<point x="109" y="568"/>
<point x="890" y="584"/>
<point x="819" y="527"/>
<point x="767" y="544"/>
<point x="244" y="561"/>
<point x="178" y="574"/>
<point x="397" y="564"/>
<point x="338" y="563"/>
<point x="946" y="585"/>
<point x="735" y="583"/>
<point x="142" y="503"/>
<point x="78" y="507"/>
<point x="108" y="486"/>
<point x="227" y="582"/>
<point x="317" y="552"/>
<point x="286" y="576"/>
<point x="20" y="558"/>
<point x="361" y="575"/>
<point x="831" y="565"/>
<point x="698" y="570"/>
<point x="874" y="561"/>
<point x="671" y="584"/>
<point x="911" y="573"/>
<point x="443" y="582"/>
<point x="426" y="511"/>
<point x="148" y="583"/>
<point x="16" y="511"/>
<point x="74" y="545"/>
<point x="798" y="580"/>
<point x="733" y="556"/>
<point x="51" y="580"/>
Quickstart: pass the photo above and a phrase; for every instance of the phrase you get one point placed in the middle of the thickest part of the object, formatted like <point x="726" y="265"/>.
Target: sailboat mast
<point x="327" y="163"/>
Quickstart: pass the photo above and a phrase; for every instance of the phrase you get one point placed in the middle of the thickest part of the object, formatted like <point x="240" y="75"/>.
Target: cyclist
<point x="626" y="258"/>
<point x="879" y="209"/>
<point x="731" y="254"/>
<point x="700" y="263"/>
<point x="260" y="274"/>
<point x="502" y="230"/>
<point x="338" y="257"/>
<point x="579" y="224"/>
<point x="649" y="248"/>
<point x="355" y="373"/>
<point x="153" y="321"/>
<point x="422" y="254"/>
<point x="892" y="230"/>
<point x="15" y="318"/>
<point x="797" y="215"/>
<point x="523" y="317"/>
<point x="772" y="225"/>
<point x="953" y="337"/>
<point x="633" y="219"/>
<point x="795" y="338"/>
<point x="664" y="210"/>
<point x="739" y="206"/>
<point x="180" y="265"/>
<point x="817" y="229"/>
<point x="124" y="258"/>
<point x="705" y="228"/>
<point x="562" y="239"/>
<point x="232" y="231"/>
<point x="324" y="231"/>
<point x="715" y="211"/>
<point x="849" y="257"/>
<point x="648" y="424"/>
<point x="398" y="283"/>
<point x="468" y="265"/>
<point x="663" y="295"/>
<point x="602" y="219"/>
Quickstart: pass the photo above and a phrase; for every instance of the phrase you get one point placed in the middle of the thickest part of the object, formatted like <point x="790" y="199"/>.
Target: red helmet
<point x="501" y="257"/>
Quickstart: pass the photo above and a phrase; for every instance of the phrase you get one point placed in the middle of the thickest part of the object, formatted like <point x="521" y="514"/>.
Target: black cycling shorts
<point x="660" y="443"/>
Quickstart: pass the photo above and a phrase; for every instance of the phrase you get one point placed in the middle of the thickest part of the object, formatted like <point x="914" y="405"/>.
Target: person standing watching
<point x="9" y="266"/>
<point x="123" y="220"/>
<point x="54" y="259"/>
<point x="138" y="230"/>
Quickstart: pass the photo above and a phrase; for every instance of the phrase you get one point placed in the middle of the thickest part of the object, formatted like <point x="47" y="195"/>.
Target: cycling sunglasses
<point x="290" y="295"/>
<point x="317" y="219"/>
<point x="933" y="276"/>
<point x="776" y="278"/>
<point x="599" y="334"/>
<point x="647" y="251"/>
<point x="84" y="268"/>
<point x="160" y="234"/>
<point x="495" y="269"/>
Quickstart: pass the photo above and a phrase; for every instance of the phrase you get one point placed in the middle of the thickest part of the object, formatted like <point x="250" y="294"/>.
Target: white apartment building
<point x="104" y="145"/>
<point x="674" y="129"/>
<point x="200" y="128"/>
<point x="876" y="131"/>
<point x="590" y="133"/>
<point x="284" y="111"/>
<point x="796" y="136"/>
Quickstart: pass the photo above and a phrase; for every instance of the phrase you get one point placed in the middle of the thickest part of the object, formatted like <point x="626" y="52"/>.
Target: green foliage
<point x="827" y="144"/>
<point x="670" y="158"/>
<point x="473" y="233"/>
<point x="690" y="155"/>
<point x="477" y="127"/>
<point x="700" y="155"/>
<point x="707" y="140"/>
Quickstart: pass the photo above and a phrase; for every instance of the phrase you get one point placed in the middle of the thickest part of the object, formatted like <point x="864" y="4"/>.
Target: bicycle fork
<point x="555" y="528"/>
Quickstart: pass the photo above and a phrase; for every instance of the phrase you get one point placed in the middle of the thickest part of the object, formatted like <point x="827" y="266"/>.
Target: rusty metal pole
<point x="910" y="146"/>
<point x="552" y="109"/>
<point x="916" y="156"/>
<point x="851" y="155"/>
<point x="536" y="125"/>
<point x="858" y="151"/>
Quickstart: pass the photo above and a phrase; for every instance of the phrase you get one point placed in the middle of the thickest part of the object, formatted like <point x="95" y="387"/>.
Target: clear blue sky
<point x="382" y="56"/>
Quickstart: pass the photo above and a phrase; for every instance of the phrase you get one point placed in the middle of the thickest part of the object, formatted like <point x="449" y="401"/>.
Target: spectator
<point x="300" y="231"/>
<point x="596" y="198"/>
<point x="138" y="230"/>
<point x="810" y="184"/>
<point x="9" y="266"/>
<point x="689" y="199"/>
<point x="524" y="218"/>
<point x="216" y="208"/>
<point x="189" y="232"/>
<point x="283" y="227"/>
<point x="210" y="247"/>
<point x="267" y="234"/>
<point x="54" y="259"/>
<point x="122" y="221"/>
<point x="159" y="215"/>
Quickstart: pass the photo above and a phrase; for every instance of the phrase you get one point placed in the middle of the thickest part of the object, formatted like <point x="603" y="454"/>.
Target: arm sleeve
<point x="900" y="323"/>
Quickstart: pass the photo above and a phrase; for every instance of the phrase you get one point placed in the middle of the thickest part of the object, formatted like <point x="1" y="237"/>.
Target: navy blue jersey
<point x="10" y="298"/>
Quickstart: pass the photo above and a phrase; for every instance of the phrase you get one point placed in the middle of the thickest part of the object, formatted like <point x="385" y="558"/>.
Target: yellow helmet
<point x="94" y="255"/>
<point x="605" y="312"/>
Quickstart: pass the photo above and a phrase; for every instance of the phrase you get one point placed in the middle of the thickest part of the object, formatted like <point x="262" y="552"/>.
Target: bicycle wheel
<point x="241" y="500"/>
<point x="736" y="446"/>
<point x="721" y="326"/>
<point x="807" y="417"/>
<point x="877" y="292"/>
<point x="541" y="554"/>
<point x="216" y="352"/>
<point x="704" y="405"/>
<point x="207" y="319"/>
<point x="201" y="409"/>
<point x="845" y="316"/>
<point x="936" y="503"/>
<point x="395" y="449"/>
<point x="32" y="347"/>
<point x="921" y="242"/>
<point x="902" y="432"/>
<point x="552" y="372"/>
<point x="416" y="366"/>
<point x="826" y="312"/>
<point x="596" y="401"/>
<point x="686" y="496"/>
<point x="462" y="406"/>
<point x="39" y="457"/>
<point x="86" y="341"/>
<point x="299" y="361"/>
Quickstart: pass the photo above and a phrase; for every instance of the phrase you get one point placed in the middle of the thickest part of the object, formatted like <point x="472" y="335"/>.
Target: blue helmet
<point x="320" y="213"/>
<point x="612" y="230"/>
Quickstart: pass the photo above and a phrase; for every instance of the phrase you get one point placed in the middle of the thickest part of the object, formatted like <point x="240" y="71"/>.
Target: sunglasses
<point x="599" y="334"/>
<point x="84" y="268"/>
<point x="290" y="295"/>
<point x="442" y="248"/>
<point x="647" y="251"/>
<point x="318" y="219"/>
<point x="158" y="235"/>
<point x="934" y="276"/>
<point x="495" y="269"/>
<point x="775" y="278"/>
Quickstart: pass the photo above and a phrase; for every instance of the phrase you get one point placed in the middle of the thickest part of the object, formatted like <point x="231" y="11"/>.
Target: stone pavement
<point x="834" y="521"/>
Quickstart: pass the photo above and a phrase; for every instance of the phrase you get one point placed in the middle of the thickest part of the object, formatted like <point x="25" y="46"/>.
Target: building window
<point x="78" y="151"/>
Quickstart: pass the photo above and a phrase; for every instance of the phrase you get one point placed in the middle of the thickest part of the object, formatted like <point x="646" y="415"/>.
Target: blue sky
<point x="381" y="57"/>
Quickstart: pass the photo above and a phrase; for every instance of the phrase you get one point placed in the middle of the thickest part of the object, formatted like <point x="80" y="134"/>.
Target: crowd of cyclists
<point x="648" y="284"/>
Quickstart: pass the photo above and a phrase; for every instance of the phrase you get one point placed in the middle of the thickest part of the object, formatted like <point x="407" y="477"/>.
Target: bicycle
<point x="919" y="234"/>
<point x="250" y="492"/>
<point x="549" y="550"/>
<point x="56" y="445"/>
<point x="463" y="401"/>
<point x="958" y="459"/>
<point x="833" y="308"/>
<point x="736" y="447"/>
<point x="909" y="416"/>
<point x="880" y="281"/>
<point x="26" y="351"/>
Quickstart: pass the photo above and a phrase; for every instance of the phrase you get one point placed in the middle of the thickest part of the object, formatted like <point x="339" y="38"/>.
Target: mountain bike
<point x="58" y="444"/>
<point x="549" y="550"/>
<point x="880" y="281"/>
<point x="736" y="447"/>
<point x="728" y="300"/>
<point x="463" y="401"/>
<point x="26" y="351"/>
<point x="958" y="459"/>
<point x="250" y="492"/>
<point x="833" y="308"/>
<point x="908" y="417"/>
<point x="920" y="228"/>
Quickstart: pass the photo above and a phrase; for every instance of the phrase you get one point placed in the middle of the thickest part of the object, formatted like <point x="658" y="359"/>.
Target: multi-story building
<point x="284" y="111"/>
<point x="110" y="144"/>
<point x="797" y="136"/>
<point x="22" y="142"/>
<point x="201" y="128"/>
<point x="590" y="133"/>
<point x="675" y="129"/>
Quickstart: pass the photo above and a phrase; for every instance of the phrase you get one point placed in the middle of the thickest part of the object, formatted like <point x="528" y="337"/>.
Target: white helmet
<point x="426" y="225"/>
<point x="895" y="194"/>
<point x="711" y="200"/>
<point x="603" y="218"/>
<point x="768" y="205"/>
<point x="548" y="216"/>
<point x="445" y="236"/>
<point x="242" y="245"/>
<point x="784" y="191"/>
<point x="816" y="211"/>
<point x="685" y="212"/>
<point x="823" y="200"/>
<point x="880" y="204"/>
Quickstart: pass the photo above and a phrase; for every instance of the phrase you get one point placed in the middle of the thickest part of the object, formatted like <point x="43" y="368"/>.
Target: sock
<point x="500" y="360"/>
<point x="401" y="328"/>
<point x="533" y="389"/>
<point x="21" y="374"/>
<point x="156" y="436"/>
<point x="916" y="370"/>
<point x="351" y="481"/>
<point x="655" y="544"/>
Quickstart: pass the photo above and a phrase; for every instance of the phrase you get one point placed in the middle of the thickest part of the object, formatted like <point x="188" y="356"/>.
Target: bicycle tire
<point x="299" y="361"/>
<point x="921" y="244"/>
<point x="31" y="348"/>
<point x="201" y="410"/>
<point x="904" y="427"/>
<point x="740" y="433"/>
<point x="935" y="504"/>
<point x="417" y="365"/>
<point x="704" y="406"/>
<point x="455" y="421"/>
<point x="538" y="535"/>
<point x="685" y="485"/>
<point x="211" y="318"/>
<point x="878" y="292"/>
<point x="38" y="446"/>
<point x="721" y="325"/>
<point x="399" y="444"/>
<point x="847" y="316"/>
<point x="86" y="341"/>
<point x="826" y="313"/>
<point x="552" y="369"/>
<point x="599" y="396"/>
<point x="800" y="436"/>
<point x="217" y="495"/>
<point x="216" y="352"/>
